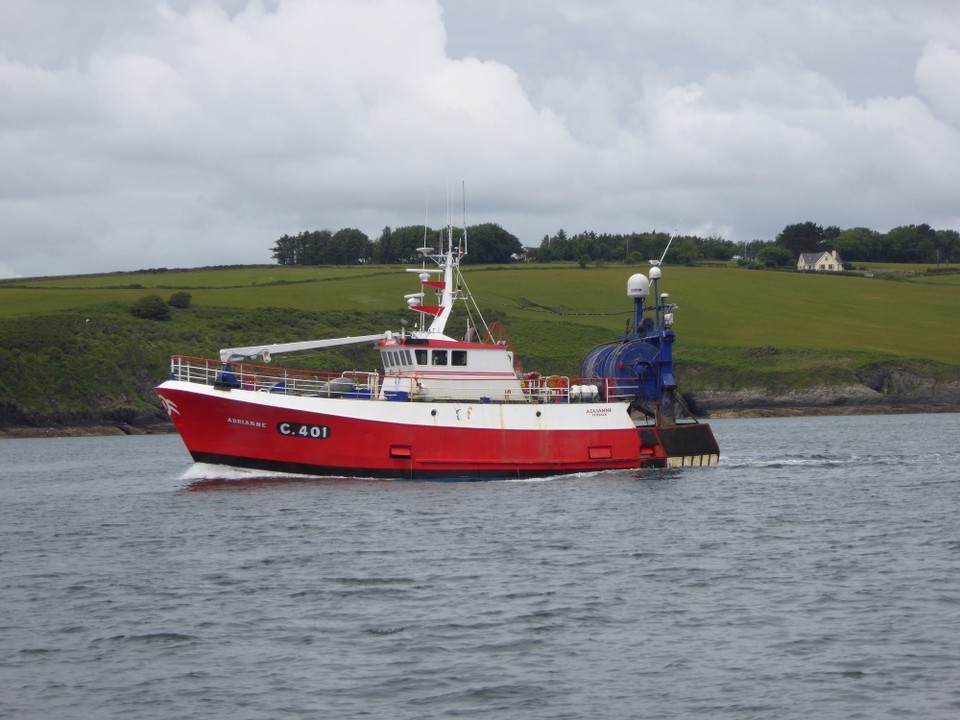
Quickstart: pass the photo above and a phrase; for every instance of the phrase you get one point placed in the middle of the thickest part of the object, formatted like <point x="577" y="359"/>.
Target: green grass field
<point x="718" y="307"/>
<point x="72" y="353"/>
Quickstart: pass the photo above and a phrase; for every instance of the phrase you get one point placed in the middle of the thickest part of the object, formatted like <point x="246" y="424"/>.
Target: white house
<point x="820" y="261"/>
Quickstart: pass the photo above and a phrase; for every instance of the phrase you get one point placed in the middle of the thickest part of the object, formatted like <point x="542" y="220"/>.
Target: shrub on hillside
<point x="151" y="307"/>
<point x="179" y="300"/>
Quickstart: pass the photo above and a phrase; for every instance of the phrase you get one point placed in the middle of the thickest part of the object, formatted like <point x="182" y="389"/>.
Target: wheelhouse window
<point x="397" y="358"/>
<point x="458" y="358"/>
<point x="421" y="357"/>
<point x="439" y="357"/>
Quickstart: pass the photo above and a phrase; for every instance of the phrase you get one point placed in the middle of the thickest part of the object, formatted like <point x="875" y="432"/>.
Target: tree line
<point x="486" y="243"/>
<point x="904" y="244"/>
<point x="632" y="247"/>
<point x="490" y="243"/>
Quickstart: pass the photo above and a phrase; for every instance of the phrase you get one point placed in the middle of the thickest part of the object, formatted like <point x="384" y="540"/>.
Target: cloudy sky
<point x="143" y="133"/>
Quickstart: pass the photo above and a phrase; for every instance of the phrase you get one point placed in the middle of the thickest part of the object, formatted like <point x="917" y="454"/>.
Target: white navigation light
<point x="638" y="286"/>
<point x="668" y="319"/>
<point x="424" y="277"/>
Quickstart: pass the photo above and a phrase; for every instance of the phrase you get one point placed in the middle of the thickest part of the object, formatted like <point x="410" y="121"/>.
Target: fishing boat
<point x="443" y="407"/>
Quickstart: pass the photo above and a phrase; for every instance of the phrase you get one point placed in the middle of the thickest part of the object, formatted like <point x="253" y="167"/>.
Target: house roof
<point x="812" y="258"/>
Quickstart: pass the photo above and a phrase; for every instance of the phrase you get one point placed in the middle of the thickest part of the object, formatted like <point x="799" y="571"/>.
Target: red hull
<point x="223" y="427"/>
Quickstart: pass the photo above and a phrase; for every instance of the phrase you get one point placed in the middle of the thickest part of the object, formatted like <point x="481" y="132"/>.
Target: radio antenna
<point x="659" y="262"/>
<point x="426" y="216"/>
<point x="463" y="193"/>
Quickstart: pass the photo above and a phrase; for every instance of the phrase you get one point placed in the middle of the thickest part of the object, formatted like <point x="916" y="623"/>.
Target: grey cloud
<point x="190" y="133"/>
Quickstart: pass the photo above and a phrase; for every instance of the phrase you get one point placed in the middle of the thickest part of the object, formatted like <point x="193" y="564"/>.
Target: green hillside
<point x="73" y="353"/>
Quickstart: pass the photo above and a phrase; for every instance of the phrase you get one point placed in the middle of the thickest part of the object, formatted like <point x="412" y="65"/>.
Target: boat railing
<point x="264" y="378"/>
<point x="618" y="390"/>
<point x="560" y="388"/>
<point x="533" y="388"/>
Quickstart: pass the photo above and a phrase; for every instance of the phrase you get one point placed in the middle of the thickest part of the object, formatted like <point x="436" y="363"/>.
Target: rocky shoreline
<point x="807" y="411"/>
<point x="884" y="392"/>
<point x="91" y="430"/>
<point x="891" y="396"/>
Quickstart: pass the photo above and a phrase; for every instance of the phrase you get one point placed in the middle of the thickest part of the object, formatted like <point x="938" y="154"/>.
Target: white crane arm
<point x="265" y="351"/>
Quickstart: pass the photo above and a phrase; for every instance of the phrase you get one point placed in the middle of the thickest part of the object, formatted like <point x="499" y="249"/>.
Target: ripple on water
<point x="811" y="574"/>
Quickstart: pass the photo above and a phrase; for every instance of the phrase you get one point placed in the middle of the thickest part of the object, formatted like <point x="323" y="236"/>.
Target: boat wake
<point x="814" y="461"/>
<point x="208" y="471"/>
<point x="206" y="476"/>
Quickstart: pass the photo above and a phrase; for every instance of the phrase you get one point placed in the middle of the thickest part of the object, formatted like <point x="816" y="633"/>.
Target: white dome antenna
<point x="638" y="286"/>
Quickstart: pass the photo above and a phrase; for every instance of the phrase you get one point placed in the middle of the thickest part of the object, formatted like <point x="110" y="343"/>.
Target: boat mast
<point x="446" y="294"/>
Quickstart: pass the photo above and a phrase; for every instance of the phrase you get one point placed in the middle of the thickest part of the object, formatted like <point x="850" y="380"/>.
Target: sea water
<point x="815" y="573"/>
